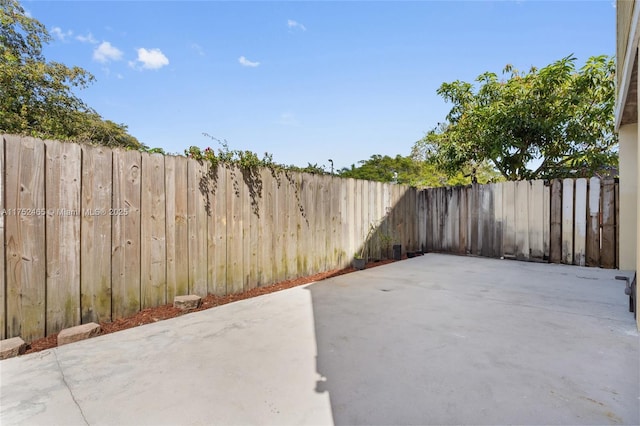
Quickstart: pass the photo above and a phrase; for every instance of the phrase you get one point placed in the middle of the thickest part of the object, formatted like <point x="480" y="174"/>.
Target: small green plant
<point x="385" y="240"/>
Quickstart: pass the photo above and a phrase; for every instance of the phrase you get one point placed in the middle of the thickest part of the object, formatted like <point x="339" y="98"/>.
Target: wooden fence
<point x="571" y="221"/>
<point x="94" y="234"/>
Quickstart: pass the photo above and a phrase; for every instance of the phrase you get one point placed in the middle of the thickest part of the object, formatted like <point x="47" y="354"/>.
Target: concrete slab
<point x="435" y="339"/>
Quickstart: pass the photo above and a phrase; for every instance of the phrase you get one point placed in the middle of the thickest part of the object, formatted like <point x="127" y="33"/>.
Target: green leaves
<point x="36" y="95"/>
<point x="551" y="122"/>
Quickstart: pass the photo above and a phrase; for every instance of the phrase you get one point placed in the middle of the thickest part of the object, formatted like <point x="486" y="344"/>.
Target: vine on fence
<point x="249" y="164"/>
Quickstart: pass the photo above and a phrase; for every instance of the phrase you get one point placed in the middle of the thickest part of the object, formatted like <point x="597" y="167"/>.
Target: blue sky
<point x="305" y="81"/>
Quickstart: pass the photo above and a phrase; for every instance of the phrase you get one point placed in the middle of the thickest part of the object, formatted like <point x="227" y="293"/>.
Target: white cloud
<point x="106" y="52"/>
<point x="288" y="119"/>
<point x="198" y="49"/>
<point x="293" y="24"/>
<point x="247" y="63"/>
<point x="59" y="34"/>
<point x="86" y="38"/>
<point x="152" y="59"/>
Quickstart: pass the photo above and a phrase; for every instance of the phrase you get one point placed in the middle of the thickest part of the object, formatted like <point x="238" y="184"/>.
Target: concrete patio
<point x="436" y="339"/>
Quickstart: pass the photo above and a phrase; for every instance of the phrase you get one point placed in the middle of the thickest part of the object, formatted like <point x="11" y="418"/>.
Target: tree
<point x="37" y="97"/>
<point x="411" y="171"/>
<point x="546" y="123"/>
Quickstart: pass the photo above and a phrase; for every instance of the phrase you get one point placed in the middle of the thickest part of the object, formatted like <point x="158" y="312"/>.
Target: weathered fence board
<point x="290" y="206"/>
<point x="177" y="230"/>
<point x="95" y="234"/>
<point x="509" y="221"/>
<point x="125" y="257"/>
<point x="24" y="231"/>
<point x="546" y="222"/>
<point x="555" y="232"/>
<point x="337" y="253"/>
<point x="235" y="261"/>
<point x="245" y="240"/>
<point x="212" y="232"/>
<point x="219" y="213"/>
<point x="198" y="204"/>
<point x="536" y="215"/>
<point x="608" y="250"/>
<point x="153" y="249"/>
<point x="580" y="223"/>
<point x="593" y="223"/>
<point x="567" y="220"/>
<point x="522" y="220"/>
<point x="62" y="200"/>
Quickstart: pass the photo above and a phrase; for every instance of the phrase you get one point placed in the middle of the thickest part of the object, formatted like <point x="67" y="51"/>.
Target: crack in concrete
<point x="64" y="380"/>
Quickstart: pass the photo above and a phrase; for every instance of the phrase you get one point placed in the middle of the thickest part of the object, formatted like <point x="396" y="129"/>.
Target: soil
<point x="150" y="315"/>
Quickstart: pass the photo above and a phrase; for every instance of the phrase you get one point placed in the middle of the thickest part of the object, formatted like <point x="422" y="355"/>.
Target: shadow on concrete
<point x="441" y="339"/>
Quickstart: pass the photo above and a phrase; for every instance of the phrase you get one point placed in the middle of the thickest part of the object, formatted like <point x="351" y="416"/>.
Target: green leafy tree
<point x="37" y="96"/>
<point x="545" y="123"/>
<point x="412" y="171"/>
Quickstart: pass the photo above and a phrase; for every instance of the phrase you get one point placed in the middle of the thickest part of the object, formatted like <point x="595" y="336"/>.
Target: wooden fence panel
<point x="324" y="230"/>
<point x="337" y="249"/>
<point x="235" y="261"/>
<point x="593" y="223"/>
<point x="546" y="221"/>
<point x="62" y="200"/>
<point x="153" y="249"/>
<point x="3" y="269"/>
<point x="24" y="231"/>
<point x="246" y="188"/>
<point x="125" y="233"/>
<point x="265" y="248"/>
<point x="375" y="218"/>
<point x="509" y="221"/>
<point x="177" y="228"/>
<point x="95" y="234"/>
<point x="463" y="220"/>
<point x="498" y="222"/>
<point x="555" y="233"/>
<point x="567" y="221"/>
<point x="291" y="234"/>
<point x="212" y="193"/>
<point x="306" y="234"/>
<point x="474" y="233"/>
<point x="536" y="219"/>
<point x="608" y="244"/>
<point x="302" y="231"/>
<point x="580" y="223"/>
<point x="279" y="231"/>
<point x="422" y="218"/>
<point x="221" y="227"/>
<point x="197" y="227"/>
<point x="522" y="220"/>
<point x="487" y="220"/>
<point x="453" y="219"/>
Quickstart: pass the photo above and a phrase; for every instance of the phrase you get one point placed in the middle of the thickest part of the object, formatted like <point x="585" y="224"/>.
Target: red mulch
<point x="150" y="315"/>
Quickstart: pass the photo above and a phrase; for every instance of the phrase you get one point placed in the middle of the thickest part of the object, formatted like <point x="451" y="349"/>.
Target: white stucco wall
<point x="628" y="138"/>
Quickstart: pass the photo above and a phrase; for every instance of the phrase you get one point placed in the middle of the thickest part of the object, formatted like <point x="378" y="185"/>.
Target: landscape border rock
<point x="77" y="333"/>
<point x="191" y="301"/>
<point x="12" y="347"/>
